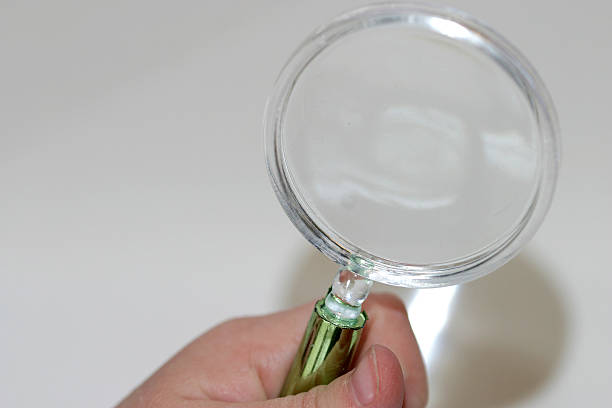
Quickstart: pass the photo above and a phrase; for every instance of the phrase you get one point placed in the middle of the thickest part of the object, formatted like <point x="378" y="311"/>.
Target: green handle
<point x="325" y="353"/>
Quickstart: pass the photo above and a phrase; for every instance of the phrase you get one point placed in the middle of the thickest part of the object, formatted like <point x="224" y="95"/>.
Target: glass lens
<point x="413" y="141"/>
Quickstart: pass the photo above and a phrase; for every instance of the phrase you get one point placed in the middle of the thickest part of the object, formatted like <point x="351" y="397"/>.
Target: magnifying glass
<point x="415" y="147"/>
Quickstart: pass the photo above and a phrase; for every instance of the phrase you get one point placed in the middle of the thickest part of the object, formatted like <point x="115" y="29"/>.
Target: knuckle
<point x="391" y="301"/>
<point x="234" y="325"/>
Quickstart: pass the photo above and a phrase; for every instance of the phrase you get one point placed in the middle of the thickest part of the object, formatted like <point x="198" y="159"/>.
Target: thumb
<point x="377" y="381"/>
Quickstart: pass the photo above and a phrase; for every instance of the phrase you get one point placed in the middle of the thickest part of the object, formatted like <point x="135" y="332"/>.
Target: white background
<point x="136" y="213"/>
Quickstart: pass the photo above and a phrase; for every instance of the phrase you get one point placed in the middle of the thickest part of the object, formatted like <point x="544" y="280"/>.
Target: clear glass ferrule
<point x="348" y="291"/>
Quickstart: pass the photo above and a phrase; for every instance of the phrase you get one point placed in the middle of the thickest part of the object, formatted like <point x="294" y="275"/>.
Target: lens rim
<point x="454" y="25"/>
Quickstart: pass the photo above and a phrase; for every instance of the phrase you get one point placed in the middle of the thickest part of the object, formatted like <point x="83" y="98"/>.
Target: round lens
<point x="414" y="139"/>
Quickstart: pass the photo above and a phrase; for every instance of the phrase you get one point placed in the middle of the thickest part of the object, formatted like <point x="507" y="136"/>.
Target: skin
<point x="242" y="363"/>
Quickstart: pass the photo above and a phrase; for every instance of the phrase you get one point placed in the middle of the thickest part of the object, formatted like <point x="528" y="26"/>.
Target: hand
<point x="242" y="364"/>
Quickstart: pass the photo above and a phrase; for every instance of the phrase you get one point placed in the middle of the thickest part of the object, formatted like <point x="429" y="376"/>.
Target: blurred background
<point x="134" y="201"/>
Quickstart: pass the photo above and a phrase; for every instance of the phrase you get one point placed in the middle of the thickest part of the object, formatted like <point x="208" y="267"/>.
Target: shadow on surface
<point x="503" y="340"/>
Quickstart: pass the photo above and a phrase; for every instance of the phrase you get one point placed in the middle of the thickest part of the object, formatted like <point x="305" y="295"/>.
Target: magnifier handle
<point x="325" y="353"/>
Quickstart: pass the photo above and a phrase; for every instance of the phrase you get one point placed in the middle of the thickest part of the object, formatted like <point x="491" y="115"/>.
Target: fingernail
<point x="365" y="379"/>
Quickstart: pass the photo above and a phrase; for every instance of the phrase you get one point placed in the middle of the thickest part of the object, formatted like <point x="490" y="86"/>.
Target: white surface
<point x="133" y="194"/>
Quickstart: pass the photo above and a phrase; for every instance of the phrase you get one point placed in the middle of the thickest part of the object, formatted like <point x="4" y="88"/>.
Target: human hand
<point x="242" y="363"/>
